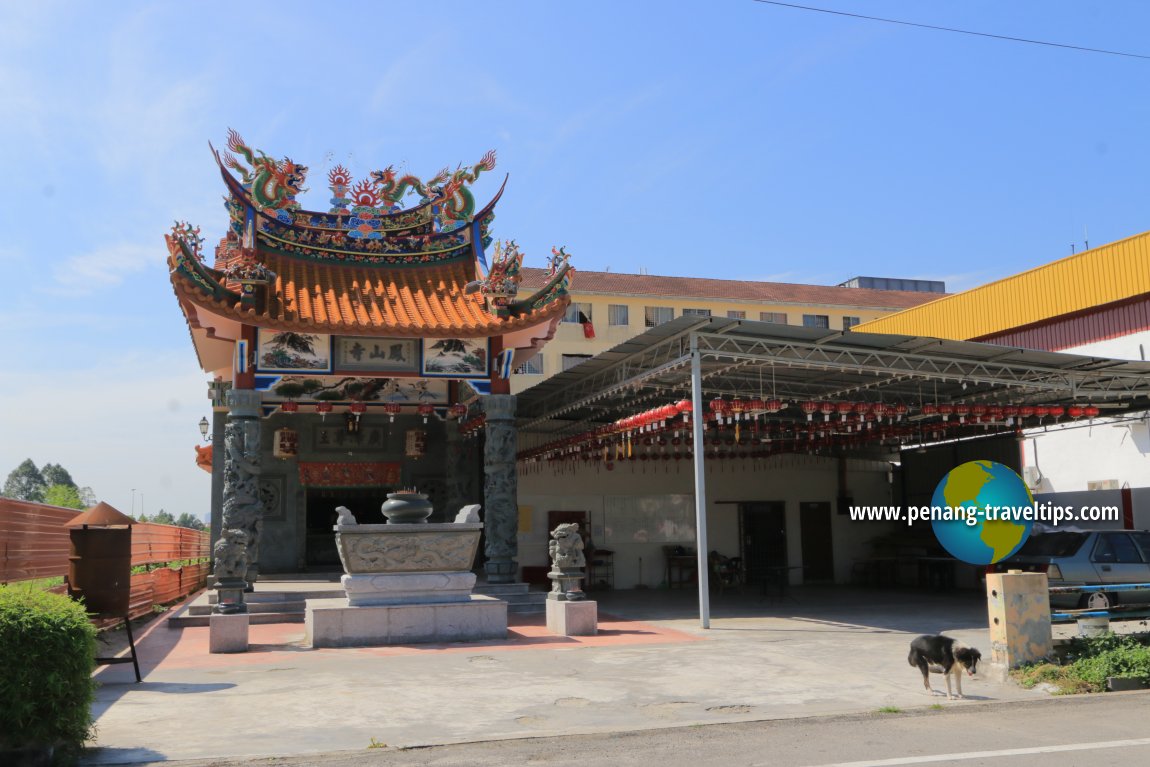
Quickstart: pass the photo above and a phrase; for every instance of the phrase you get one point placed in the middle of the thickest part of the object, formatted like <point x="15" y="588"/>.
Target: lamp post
<point x="204" y="426"/>
<point x="133" y="514"/>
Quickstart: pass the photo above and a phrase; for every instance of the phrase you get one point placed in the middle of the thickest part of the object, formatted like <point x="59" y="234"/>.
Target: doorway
<point x="818" y="547"/>
<point x="365" y="504"/>
<point x="762" y="538"/>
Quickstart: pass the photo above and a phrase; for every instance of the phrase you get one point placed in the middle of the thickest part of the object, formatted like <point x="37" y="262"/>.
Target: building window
<point x="532" y="367"/>
<point x="736" y="315"/>
<point x="816" y="321"/>
<point x="617" y="314"/>
<point x="657" y="315"/>
<point x="573" y="311"/>
<point x="779" y="318"/>
<point x="696" y="312"/>
<point x="571" y="360"/>
<point x="850" y="322"/>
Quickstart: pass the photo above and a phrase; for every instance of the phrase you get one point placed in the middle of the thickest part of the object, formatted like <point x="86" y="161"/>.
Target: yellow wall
<point x="569" y="336"/>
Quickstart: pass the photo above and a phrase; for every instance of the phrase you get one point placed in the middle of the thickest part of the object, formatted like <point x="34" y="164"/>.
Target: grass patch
<point x="1089" y="662"/>
<point x="936" y="707"/>
<point x="890" y="710"/>
<point x="37" y="584"/>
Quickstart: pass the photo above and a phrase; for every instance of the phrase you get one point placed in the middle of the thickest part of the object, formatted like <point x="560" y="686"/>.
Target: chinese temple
<point x="355" y="352"/>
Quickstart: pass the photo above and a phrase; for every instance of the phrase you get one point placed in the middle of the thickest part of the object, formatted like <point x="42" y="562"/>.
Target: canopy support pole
<point x="698" y="453"/>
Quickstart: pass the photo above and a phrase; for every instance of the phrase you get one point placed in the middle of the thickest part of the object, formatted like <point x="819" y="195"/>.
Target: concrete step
<point x="278" y="597"/>
<point x="185" y="620"/>
<point x="518" y="596"/>
<point x="254" y="607"/>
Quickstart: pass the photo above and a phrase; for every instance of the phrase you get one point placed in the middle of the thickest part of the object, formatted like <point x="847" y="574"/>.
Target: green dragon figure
<point x="455" y="199"/>
<point x="273" y="184"/>
<point x="392" y="189"/>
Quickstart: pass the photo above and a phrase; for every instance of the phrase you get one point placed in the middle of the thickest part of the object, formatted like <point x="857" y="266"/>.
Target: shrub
<point x="46" y="687"/>
<point x="1089" y="662"/>
<point x="1114" y="655"/>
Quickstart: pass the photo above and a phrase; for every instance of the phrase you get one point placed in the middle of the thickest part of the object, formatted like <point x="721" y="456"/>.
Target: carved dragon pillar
<point x="500" y="489"/>
<point x="236" y="553"/>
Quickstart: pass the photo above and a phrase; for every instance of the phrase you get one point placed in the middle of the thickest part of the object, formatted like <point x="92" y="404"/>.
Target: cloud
<point x="102" y="268"/>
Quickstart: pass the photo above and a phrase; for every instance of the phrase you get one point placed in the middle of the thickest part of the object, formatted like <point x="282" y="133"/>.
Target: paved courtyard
<point x="820" y="651"/>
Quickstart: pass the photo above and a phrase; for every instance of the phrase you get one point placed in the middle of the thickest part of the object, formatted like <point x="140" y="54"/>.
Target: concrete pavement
<point x="827" y="651"/>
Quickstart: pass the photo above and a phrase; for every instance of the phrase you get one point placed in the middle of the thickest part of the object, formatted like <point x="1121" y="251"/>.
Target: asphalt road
<point x="1095" y="730"/>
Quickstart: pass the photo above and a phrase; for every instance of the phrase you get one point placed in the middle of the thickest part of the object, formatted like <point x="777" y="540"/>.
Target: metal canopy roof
<point x="742" y="358"/>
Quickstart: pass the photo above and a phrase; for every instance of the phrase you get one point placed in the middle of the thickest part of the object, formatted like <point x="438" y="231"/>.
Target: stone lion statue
<point x="231" y="554"/>
<point x="566" y="547"/>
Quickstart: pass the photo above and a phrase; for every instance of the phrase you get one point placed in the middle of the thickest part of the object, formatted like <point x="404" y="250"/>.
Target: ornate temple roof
<point x="366" y="267"/>
<point x="359" y="300"/>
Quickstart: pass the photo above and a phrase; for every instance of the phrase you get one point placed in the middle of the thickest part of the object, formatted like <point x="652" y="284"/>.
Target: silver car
<point x="1098" y="558"/>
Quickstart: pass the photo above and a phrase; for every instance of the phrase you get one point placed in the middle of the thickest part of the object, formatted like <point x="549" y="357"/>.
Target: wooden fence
<point x="35" y="544"/>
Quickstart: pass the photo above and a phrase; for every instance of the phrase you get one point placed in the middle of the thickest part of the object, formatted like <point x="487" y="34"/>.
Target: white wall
<point x="792" y="479"/>
<point x="1068" y="456"/>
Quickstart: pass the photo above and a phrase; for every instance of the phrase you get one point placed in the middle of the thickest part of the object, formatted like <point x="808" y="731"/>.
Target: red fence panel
<point x="33" y="540"/>
<point x="35" y="544"/>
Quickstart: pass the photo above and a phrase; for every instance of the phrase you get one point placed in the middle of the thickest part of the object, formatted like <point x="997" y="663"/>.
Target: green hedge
<point x="46" y="687"/>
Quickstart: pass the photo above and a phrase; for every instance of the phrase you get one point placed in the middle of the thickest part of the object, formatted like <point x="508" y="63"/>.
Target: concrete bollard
<point x="1018" y="606"/>
<point x="228" y="633"/>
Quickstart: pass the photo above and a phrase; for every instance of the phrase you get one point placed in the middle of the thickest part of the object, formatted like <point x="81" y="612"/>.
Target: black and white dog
<point x="943" y="655"/>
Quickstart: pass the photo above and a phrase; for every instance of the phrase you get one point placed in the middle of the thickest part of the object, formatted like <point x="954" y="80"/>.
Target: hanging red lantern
<point x="977" y="411"/>
<point x="685" y="407"/>
<point x="289" y="406"/>
<point x="1074" y="411"/>
<point x="994" y="411"/>
<point x="930" y="409"/>
<point x="392" y="409"/>
<point x="357" y="409"/>
<point x="944" y="410"/>
<point x="809" y="408"/>
<point x="1091" y="411"/>
<point x="1041" y="411"/>
<point x="1026" y="411"/>
<point x="844" y="409"/>
<point x="827" y="409"/>
<point x="962" y="411"/>
<point x="738" y="407"/>
<point x="773" y="405"/>
<point x="900" y="410"/>
<point x="1057" y="411"/>
<point x="322" y="407"/>
<point x="458" y="410"/>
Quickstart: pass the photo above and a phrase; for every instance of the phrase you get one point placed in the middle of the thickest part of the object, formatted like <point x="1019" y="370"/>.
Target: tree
<point x="26" y="483"/>
<point x="189" y="521"/>
<point x="63" y="495"/>
<point x="162" y="517"/>
<point x="87" y="497"/>
<point x="55" y="474"/>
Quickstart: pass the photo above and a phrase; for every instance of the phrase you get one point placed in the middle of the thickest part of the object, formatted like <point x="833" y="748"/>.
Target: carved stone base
<point x="408" y="588"/>
<point x="230" y="597"/>
<point x="335" y="623"/>
<point x="501" y="571"/>
<point x="566" y="585"/>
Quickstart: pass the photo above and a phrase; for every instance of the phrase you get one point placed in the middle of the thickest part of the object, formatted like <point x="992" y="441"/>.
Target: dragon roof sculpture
<point x="366" y="266"/>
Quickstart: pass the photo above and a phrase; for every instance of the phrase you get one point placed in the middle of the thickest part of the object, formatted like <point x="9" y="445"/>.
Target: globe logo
<point x="985" y="523"/>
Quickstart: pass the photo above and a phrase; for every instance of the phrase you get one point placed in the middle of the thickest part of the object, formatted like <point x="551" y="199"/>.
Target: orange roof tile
<point x="369" y="300"/>
<point x="612" y="283"/>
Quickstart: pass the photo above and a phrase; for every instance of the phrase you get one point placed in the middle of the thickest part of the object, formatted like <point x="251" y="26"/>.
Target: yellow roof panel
<point x="1091" y="278"/>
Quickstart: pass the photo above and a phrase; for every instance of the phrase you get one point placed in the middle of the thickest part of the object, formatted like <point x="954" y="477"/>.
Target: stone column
<point x="236" y="554"/>
<point x="456" y="467"/>
<point x="500" y="490"/>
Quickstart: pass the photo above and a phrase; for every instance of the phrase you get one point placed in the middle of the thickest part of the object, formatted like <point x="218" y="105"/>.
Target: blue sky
<point x="727" y="139"/>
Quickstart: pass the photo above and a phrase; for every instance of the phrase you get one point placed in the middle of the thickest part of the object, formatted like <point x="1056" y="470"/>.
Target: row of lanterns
<point x="619" y="440"/>
<point x="391" y="409"/>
